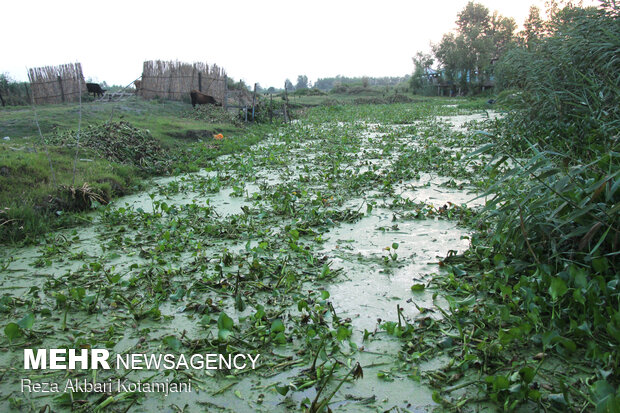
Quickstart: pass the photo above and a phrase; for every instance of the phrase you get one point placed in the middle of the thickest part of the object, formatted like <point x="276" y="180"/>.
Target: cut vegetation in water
<point x="306" y="251"/>
<point x="341" y="260"/>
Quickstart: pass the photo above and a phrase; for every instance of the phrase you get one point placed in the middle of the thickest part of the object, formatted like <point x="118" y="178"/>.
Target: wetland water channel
<point x="299" y="249"/>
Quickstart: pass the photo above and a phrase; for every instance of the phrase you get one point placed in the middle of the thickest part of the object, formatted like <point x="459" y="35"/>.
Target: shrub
<point x="554" y="236"/>
<point x="369" y="101"/>
<point x="14" y="93"/>
<point x="569" y="81"/>
<point x="399" y="98"/>
<point x="309" y="92"/>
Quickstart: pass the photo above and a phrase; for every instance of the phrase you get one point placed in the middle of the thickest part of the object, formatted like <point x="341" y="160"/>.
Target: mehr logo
<point x="58" y="359"/>
<point x="62" y="359"/>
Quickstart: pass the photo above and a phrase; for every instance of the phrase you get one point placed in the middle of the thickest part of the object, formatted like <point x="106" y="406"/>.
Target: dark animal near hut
<point x="95" y="89"/>
<point x="202" y="99"/>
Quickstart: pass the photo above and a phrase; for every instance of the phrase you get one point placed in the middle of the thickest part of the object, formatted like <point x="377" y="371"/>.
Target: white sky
<point x="263" y="41"/>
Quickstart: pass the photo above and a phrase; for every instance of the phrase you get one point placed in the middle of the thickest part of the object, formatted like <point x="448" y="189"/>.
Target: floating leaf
<point x="12" y="331"/>
<point x="205" y="320"/>
<point x="27" y="322"/>
<point x="225" y="325"/>
<point x="225" y="322"/>
<point x="282" y="389"/>
<point x="277" y="326"/>
<point x="172" y="343"/>
<point x="280" y="338"/>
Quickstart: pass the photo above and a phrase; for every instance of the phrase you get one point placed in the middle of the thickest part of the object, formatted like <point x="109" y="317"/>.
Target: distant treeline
<point x="338" y="84"/>
<point x="328" y="83"/>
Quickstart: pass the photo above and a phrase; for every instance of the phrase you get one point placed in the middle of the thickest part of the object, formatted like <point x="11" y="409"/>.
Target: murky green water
<point x="299" y="199"/>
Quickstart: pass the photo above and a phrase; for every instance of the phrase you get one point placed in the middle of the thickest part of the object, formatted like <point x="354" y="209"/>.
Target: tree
<point x="473" y="21"/>
<point x="288" y="85"/>
<point x="533" y="28"/>
<point x="420" y="80"/>
<point x="502" y="32"/>
<point x="324" y="84"/>
<point x="466" y="56"/>
<point x="449" y="54"/>
<point x="474" y="26"/>
<point x="302" y="82"/>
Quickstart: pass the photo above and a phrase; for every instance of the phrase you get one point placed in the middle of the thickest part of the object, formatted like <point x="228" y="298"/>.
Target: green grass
<point x="35" y="198"/>
<point x="31" y="200"/>
<point x="163" y="119"/>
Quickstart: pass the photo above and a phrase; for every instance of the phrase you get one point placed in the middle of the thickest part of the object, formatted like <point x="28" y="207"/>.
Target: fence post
<point x="271" y="108"/>
<point x="253" y="101"/>
<point x="62" y="92"/>
<point x="286" y="119"/>
<point x="3" y="104"/>
<point x="170" y="94"/>
<point x="225" y="92"/>
<point x="199" y="81"/>
<point x="27" y="91"/>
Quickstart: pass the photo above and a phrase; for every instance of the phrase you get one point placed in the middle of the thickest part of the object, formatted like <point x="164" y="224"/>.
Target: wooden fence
<point x="174" y="80"/>
<point x="56" y="84"/>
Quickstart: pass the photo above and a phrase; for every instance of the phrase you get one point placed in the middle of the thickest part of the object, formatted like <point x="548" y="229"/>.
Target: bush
<point x="331" y="102"/>
<point x="569" y="82"/>
<point x="339" y="89"/>
<point x="554" y="236"/>
<point x="349" y="89"/>
<point x="399" y="98"/>
<point x="14" y="93"/>
<point x="369" y="101"/>
<point x="268" y="110"/>
<point x="309" y="92"/>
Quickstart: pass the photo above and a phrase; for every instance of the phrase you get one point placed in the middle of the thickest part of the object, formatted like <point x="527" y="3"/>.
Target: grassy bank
<point x="374" y="95"/>
<point x="44" y="185"/>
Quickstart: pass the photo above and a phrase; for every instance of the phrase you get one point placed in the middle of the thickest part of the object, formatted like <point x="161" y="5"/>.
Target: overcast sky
<point x="261" y="41"/>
